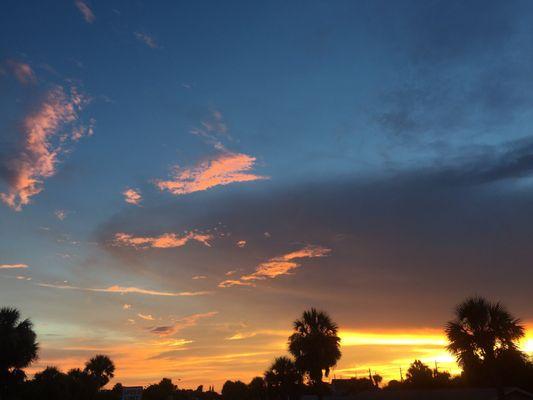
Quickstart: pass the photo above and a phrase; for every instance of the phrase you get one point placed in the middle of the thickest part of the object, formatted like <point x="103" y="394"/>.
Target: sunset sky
<point x="180" y="180"/>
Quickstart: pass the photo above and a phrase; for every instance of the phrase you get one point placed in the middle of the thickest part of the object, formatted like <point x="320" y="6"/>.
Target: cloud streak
<point x="41" y="146"/>
<point x="125" y="290"/>
<point x="85" y="10"/>
<point x="13" y="266"/>
<point x="164" y="241"/>
<point x="181" y="324"/>
<point x="146" y="39"/>
<point x="223" y="169"/>
<point x="277" y="266"/>
<point x="22" y="71"/>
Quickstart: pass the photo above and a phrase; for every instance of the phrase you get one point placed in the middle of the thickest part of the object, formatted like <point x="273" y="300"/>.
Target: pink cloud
<point x="87" y="13"/>
<point x="181" y="324"/>
<point x="13" y="266"/>
<point x="22" y="71"/>
<point x="42" y="145"/>
<point x="241" y="243"/>
<point x="223" y="169"/>
<point x="164" y="241"/>
<point x="277" y="266"/>
<point x="132" y="196"/>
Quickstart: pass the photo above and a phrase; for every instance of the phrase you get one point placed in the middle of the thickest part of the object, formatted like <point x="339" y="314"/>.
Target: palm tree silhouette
<point x="283" y="378"/>
<point x="101" y="369"/>
<point x="315" y="345"/>
<point x="481" y="335"/>
<point x="18" y="347"/>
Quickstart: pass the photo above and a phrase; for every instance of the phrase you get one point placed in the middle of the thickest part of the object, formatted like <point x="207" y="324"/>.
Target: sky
<point x="180" y="180"/>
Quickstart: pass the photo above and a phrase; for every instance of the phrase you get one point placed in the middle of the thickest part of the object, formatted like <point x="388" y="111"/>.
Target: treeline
<point x="483" y="336"/>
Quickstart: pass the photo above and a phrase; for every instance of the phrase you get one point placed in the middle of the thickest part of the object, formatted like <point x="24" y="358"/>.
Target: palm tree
<point x="18" y="347"/>
<point x="481" y="336"/>
<point x="101" y="369"/>
<point x="283" y="378"/>
<point x="315" y="345"/>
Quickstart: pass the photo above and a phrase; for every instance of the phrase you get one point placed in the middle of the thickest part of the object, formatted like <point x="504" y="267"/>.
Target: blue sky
<point x="278" y="152"/>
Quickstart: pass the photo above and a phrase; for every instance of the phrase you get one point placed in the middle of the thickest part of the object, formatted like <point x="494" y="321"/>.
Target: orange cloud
<point x="164" y="241"/>
<point x="13" y="266"/>
<point x="223" y="169"/>
<point x="132" y="196"/>
<point x="234" y="282"/>
<point x="281" y="265"/>
<point x="22" y="71"/>
<point x="182" y="323"/>
<point x="124" y="290"/>
<point x="87" y="13"/>
<point x="41" y="147"/>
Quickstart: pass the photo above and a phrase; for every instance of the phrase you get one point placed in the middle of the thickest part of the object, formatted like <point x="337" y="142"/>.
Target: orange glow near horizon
<point x="143" y="361"/>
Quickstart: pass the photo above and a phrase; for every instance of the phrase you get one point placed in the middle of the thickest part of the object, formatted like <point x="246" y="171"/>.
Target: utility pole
<point x="436" y="368"/>
<point x="401" y="375"/>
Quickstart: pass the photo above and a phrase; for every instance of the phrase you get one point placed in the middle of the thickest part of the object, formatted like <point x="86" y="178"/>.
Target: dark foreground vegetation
<point x="483" y="336"/>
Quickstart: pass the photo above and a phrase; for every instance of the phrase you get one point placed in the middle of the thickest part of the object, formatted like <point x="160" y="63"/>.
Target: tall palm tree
<point x="101" y="369"/>
<point x="18" y="347"/>
<point x="315" y="345"/>
<point x="283" y="378"/>
<point x="481" y="336"/>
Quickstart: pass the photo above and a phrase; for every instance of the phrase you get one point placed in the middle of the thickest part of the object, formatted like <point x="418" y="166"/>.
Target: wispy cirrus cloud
<point x="146" y="317"/>
<point x="41" y="146"/>
<point x="182" y="323"/>
<point x="60" y="214"/>
<point x="164" y="241"/>
<point x="132" y="196"/>
<point x="13" y="266"/>
<point x="22" y="71"/>
<point x="85" y="10"/>
<point x="125" y="290"/>
<point x="277" y="266"/>
<point x="223" y="169"/>
<point x="146" y="39"/>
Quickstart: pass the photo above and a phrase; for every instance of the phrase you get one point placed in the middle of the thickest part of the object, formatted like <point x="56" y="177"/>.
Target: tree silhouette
<point x="257" y="388"/>
<point x="283" y="378"/>
<point x="51" y="384"/>
<point x="315" y="346"/>
<point x="18" y="348"/>
<point x="101" y="369"/>
<point x="419" y="375"/>
<point x="484" y="336"/>
<point x="160" y="391"/>
<point x="234" y="390"/>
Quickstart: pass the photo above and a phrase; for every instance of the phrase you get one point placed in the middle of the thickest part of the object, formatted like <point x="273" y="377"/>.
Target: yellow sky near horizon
<point x="243" y="356"/>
